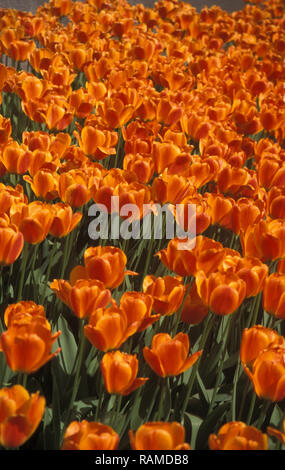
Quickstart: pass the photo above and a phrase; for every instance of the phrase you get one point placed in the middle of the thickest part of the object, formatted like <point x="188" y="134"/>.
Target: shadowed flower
<point x="237" y="435"/>
<point x="159" y="436"/>
<point x="86" y="435"/>
<point x="256" y="339"/>
<point x="268" y="373"/>
<point x="20" y="415"/>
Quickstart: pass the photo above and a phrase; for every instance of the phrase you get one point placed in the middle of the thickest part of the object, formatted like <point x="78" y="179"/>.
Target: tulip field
<point x="111" y="339"/>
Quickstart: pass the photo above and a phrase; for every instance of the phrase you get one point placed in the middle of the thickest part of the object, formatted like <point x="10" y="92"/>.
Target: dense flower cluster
<point x="151" y="106"/>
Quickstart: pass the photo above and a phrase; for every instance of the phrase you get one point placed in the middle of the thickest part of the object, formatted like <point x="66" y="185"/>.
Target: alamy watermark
<point x="152" y="221"/>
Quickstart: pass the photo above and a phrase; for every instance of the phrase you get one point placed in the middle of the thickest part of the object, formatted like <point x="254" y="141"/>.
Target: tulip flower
<point x="21" y="414"/>
<point x="268" y="373"/>
<point x="24" y="307"/>
<point x="27" y="344"/>
<point x="223" y="293"/>
<point x="108" y="328"/>
<point x="194" y="309"/>
<point x="120" y="373"/>
<point x="274" y="295"/>
<point x="255" y="340"/>
<point x="159" y="436"/>
<point x="11" y="244"/>
<point x="64" y="220"/>
<point x="169" y="356"/>
<point x="264" y="240"/>
<point x="237" y="435"/>
<point x="167" y="292"/>
<point x="186" y="257"/>
<point x="89" y="435"/>
<point x="33" y="220"/>
<point x="106" y="264"/>
<point x="138" y="308"/>
<point x="83" y="297"/>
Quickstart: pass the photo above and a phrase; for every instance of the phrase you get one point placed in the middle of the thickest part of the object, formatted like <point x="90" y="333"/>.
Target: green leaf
<point x="68" y="346"/>
<point x="209" y="425"/>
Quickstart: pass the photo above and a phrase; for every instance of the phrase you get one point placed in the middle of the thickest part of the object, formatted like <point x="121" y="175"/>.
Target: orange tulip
<point x="27" y="344"/>
<point x="223" y="293"/>
<point x="86" y="435"/>
<point x="11" y="244"/>
<point x="120" y="373"/>
<point x="19" y="309"/>
<point x="73" y="188"/>
<point x="16" y="158"/>
<point x="237" y="435"/>
<point x="194" y="309"/>
<point x="33" y="220"/>
<point x="268" y="373"/>
<point x="21" y="414"/>
<point x="167" y="293"/>
<point x="159" y="436"/>
<point x="187" y="257"/>
<point x="44" y="183"/>
<point x="274" y="295"/>
<point x="264" y="240"/>
<point x="106" y="264"/>
<point x="141" y="165"/>
<point x="5" y="130"/>
<point x="64" y="220"/>
<point x="276" y="433"/>
<point x="256" y="339"/>
<point x="168" y="356"/>
<point x="108" y="328"/>
<point x="138" y="308"/>
<point x="83" y="297"/>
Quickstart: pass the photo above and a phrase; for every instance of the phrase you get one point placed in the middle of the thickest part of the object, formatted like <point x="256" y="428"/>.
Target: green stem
<point x="207" y="328"/>
<point x="25" y="255"/>
<point x="54" y="247"/>
<point x="178" y="316"/>
<point x="82" y="342"/>
<point x="224" y="346"/>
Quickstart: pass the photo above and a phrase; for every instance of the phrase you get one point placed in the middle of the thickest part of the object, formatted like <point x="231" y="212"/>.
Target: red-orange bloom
<point x="256" y="339"/>
<point x="159" y="436"/>
<point x="21" y="414"/>
<point x="106" y="264"/>
<point x="120" y="373"/>
<point x="86" y="435"/>
<point x="168" y="356"/>
<point x="167" y="293"/>
<point x="11" y="244"/>
<point x="108" y="328"/>
<point x="224" y="293"/>
<point x="19" y="309"/>
<point x="27" y="343"/>
<point x="274" y="295"/>
<point x="33" y="220"/>
<point x="237" y="435"/>
<point x="64" y="220"/>
<point x="187" y="257"/>
<point x="194" y="309"/>
<point x="268" y="373"/>
<point x="265" y="240"/>
<point x="138" y="308"/>
<point x="83" y="297"/>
